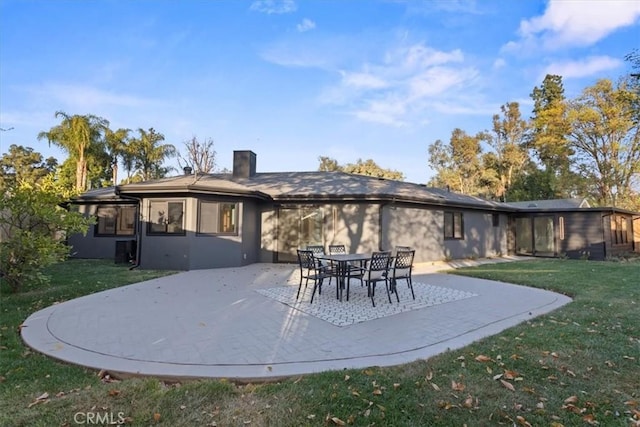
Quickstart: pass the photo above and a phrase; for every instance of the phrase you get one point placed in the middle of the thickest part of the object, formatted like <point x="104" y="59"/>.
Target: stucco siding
<point x="91" y="246"/>
<point x="481" y="238"/>
<point x="421" y="229"/>
<point x="357" y="226"/>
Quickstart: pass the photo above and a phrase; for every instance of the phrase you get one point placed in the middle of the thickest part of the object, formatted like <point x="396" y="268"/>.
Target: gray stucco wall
<point x="91" y="246"/>
<point x="423" y="229"/>
<point x="418" y="228"/>
<point x="481" y="238"/>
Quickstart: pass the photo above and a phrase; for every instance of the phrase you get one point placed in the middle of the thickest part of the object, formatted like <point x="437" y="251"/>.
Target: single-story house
<point x="196" y="221"/>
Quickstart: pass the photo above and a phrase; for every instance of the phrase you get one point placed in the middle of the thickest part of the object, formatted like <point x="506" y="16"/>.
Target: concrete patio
<point x="242" y="324"/>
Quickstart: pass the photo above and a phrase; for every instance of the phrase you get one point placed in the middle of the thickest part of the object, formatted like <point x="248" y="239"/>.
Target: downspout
<point x="139" y="226"/>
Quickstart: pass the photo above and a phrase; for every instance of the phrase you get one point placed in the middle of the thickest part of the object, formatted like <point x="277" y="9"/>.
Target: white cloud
<point x="399" y="88"/>
<point x="364" y="80"/>
<point x="578" y="23"/>
<point x="499" y="63"/>
<point x="85" y="97"/>
<point x="274" y="6"/>
<point x="582" y="68"/>
<point x="306" y="25"/>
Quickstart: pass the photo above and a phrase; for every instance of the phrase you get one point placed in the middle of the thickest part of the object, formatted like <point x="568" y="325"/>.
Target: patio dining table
<point x="342" y="264"/>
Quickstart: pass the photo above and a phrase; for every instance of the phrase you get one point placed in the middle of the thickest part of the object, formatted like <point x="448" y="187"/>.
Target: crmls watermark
<point x="99" y="418"/>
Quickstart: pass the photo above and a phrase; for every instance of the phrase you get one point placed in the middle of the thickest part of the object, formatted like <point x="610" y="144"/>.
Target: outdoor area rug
<point x="359" y="309"/>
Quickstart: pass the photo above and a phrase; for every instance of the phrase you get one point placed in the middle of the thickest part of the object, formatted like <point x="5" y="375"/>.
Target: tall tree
<point x="148" y="155"/>
<point x="22" y="164"/>
<point x="507" y="141"/>
<point x="606" y="138"/>
<point x="200" y="156"/>
<point x="116" y="145"/>
<point x="77" y="134"/>
<point x="458" y="165"/>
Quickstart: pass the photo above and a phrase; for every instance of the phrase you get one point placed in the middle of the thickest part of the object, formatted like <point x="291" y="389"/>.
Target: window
<point x="115" y="221"/>
<point x="166" y="217"/>
<point x="453" y="225"/>
<point x="495" y="220"/>
<point x="217" y="218"/>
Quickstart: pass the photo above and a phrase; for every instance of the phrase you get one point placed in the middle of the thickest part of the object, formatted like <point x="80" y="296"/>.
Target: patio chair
<point x="353" y="271"/>
<point x="309" y="270"/>
<point x="322" y="264"/>
<point x="337" y="249"/>
<point x="401" y="269"/>
<point x="377" y="270"/>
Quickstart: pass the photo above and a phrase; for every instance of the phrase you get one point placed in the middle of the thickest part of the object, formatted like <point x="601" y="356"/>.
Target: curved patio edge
<point x="71" y="331"/>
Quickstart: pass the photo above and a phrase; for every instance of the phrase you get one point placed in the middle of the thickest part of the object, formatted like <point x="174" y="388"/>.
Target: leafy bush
<point x="33" y="225"/>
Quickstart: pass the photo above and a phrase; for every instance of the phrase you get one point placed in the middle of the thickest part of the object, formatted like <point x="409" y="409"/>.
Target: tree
<point x="116" y="145"/>
<point x="33" y="227"/>
<point x="606" y="138"/>
<point x="371" y="168"/>
<point x="147" y="155"/>
<point x="327" y="164"/>
<point x="200" y="156"/>
<point x="507" y="141"/>
<point x="22" y="164"/>
<point x="77" y="135"/>
<point x="458" y="165"/>
<point x="367" y="167"/>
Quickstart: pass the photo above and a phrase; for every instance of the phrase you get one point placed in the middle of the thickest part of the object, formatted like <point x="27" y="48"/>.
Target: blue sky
<point x="293" y="80"/>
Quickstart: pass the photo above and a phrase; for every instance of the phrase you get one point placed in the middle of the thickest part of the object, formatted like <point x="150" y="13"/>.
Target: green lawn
<point x="577" y="366"/>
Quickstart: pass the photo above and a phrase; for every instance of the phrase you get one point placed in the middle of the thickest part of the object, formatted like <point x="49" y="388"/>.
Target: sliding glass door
<point x="297" y="228"/>
<point x="535" y="236"/>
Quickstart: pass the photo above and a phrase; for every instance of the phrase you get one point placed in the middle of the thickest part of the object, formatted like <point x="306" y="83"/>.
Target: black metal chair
<point x="377" y="270"/>
<point x="322" y="264"/>
<point x="309" y="270"/>
<point x="401" y="269"/>
<point x="337" y="249"/>
<point x="352" y="271"/>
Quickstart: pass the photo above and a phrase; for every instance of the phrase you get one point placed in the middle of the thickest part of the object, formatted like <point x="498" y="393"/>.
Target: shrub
<point x="33" y="225"/>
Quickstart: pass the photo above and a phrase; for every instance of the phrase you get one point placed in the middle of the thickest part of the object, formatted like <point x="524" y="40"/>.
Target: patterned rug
<point x="359" y="308"/>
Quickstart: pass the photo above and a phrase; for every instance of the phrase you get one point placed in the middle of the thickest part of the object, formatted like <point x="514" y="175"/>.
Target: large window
<point x="166" y="217"/>
<point x="453" y="225"/>
<point x="116" y="220"/>
<point x="218" y="218"/>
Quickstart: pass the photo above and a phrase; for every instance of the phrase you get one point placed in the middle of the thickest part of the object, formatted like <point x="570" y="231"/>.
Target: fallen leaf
<point x="457" y="386"/>
<point x="377" y="392"/>
<point x="435" y="386"/>
<point x="522" y="421"/>
<point x="396" y="386"/>
<point x="40" y="399"/>
<point x="346" y="377"/>
<point x="337" y="421"/>
<point x="429" y="375"/>
<point x="483" y="358"/>
<point x="508" y="385"/>
<point x="571" y="399"/>
<point x="510" y="375"/>
<point x="114" y="393"/>
<point x="156" y="417"/>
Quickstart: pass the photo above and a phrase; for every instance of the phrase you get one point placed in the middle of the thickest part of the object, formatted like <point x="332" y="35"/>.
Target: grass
<point x="576" y="366"/>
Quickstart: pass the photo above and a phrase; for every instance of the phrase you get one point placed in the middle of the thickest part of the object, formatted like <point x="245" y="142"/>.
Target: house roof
<point x="299" y="187"/>
<point x="574" y="203"/>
